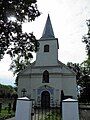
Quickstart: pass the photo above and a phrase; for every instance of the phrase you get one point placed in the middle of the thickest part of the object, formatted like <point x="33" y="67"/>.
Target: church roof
<point x="62" y="69"/>
<point x="48" y="30"/>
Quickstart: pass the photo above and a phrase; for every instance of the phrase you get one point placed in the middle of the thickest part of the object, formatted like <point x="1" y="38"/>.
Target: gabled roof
<point x="63" y="69"/>
<point x="48" y="30"/>
<point x="65" y="66"/>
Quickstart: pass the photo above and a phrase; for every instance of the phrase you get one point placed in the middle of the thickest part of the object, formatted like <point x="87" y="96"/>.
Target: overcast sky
<point x="68" y="18"/>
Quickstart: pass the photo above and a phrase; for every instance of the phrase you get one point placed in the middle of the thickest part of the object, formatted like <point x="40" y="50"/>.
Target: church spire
<point x="48" y="30"/>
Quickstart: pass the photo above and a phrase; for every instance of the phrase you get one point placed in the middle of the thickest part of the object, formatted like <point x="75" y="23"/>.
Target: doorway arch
<point x="45" y="99"/>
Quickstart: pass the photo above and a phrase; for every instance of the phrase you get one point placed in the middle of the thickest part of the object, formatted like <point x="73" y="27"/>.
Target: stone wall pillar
<point x="23" y="109"/>
<point x="70" y="109"/>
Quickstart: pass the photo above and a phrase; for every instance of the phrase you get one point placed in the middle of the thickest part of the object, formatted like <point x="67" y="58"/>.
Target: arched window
<point x="45" y="77"/>
<point x="46" y="48"/>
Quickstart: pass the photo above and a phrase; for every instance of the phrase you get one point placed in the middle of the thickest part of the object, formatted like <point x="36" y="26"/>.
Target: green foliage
<point x="5" y="114"/>
<point x="85" y="93"/>
<point x="86" y="40"/>
<point x="7" y="87"/>
<point x="86" y="64"/>
<point x="83" y="80"/>
<point x="76" y="68"/>
<point x="6" y="111"/>
<point x="52" y="116"/>
<point x="7" y="91"/>
<point x="13" y="41"/>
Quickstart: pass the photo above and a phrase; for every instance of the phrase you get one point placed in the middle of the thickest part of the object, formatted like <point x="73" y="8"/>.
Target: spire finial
<point x="48" y="30"/>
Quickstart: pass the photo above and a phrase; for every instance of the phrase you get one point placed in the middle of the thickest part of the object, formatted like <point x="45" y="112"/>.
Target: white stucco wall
<point x="47" y="58"/>
<point x="24" y="82"/>
<point x="54" y="82"/>
<point x="58" y="80"/>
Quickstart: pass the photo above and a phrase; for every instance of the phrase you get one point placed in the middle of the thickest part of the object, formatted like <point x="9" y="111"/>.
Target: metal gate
<point x="40" y="113"/>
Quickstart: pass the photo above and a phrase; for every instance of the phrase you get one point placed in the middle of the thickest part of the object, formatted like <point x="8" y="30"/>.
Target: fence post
<point x="23" y="109"/>
<point x="70" y="109"/>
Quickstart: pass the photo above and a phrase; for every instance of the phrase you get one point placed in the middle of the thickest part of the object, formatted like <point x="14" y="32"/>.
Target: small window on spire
<point x="46" y="48"/>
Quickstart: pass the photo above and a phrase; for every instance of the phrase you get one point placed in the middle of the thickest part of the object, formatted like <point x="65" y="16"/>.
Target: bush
<point x="5" y="114"/>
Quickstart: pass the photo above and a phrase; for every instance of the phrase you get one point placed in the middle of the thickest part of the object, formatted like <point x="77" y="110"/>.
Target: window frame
<point x="45" y="77"/>
<point x="46" y="48"/>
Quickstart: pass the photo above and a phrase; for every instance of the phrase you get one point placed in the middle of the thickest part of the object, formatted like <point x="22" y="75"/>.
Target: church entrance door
<point x="45" y="99"/>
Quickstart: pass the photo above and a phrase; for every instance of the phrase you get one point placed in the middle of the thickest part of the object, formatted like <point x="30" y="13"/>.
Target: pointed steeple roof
<point x="48" y="30"/>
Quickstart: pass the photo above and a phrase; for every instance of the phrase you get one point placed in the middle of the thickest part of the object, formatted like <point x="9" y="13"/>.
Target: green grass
<point x="53" y="116"/>
<point x="6" y="114"/>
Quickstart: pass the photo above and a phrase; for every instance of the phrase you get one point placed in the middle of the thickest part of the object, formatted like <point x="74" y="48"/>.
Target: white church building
<point x="44" y="79"/>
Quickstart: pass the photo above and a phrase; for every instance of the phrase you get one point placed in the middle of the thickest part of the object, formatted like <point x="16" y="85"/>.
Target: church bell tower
<point x="47" y="55"/>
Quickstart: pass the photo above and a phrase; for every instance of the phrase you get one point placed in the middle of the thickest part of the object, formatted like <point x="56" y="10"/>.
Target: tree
<point x="77" y="69"/>
<point x="83" y="80"/>
<point x="85" y="93"/>
<point x="6" y="91"/>
<point x="19" y="45"/>
<point x="86" y="40"/>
